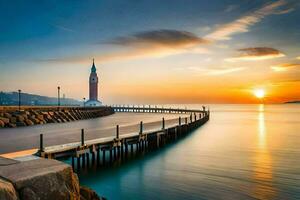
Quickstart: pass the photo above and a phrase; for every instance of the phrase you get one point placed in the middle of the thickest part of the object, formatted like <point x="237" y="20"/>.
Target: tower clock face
<point x="94" y="79"/>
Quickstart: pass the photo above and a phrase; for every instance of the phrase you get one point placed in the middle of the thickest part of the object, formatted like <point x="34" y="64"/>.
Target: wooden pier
<point x="105" y="151"/>
<point x="153" y="109"/>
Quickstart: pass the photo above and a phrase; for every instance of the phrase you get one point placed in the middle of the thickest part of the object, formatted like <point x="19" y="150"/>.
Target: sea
<point x="243" y="152"/>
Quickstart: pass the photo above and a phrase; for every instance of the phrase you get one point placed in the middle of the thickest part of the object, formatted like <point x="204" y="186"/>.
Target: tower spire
<point x="93" y="70"/>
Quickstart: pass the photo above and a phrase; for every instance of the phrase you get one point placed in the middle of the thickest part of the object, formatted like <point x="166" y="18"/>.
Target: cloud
<point x="216" y="71"/>
<point x="161" y="38"/>
<point x="156" y="43"/>
<point x="298" y="58"/>
<point x="256" y="53"/>
<point x="243" y="24"/>
<point x="284" y="67"/>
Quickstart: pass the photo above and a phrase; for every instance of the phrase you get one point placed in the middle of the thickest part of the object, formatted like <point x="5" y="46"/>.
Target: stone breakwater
<point x="41" y="179"/>
<point x="32" y="115"/>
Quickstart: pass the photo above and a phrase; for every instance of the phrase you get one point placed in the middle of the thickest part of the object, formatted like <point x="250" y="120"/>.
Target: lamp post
<point x="58" y="97"/>
<point x="19" y="91"/>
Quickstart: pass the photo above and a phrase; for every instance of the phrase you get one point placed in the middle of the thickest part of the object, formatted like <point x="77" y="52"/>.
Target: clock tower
<point x="93" y="86"/>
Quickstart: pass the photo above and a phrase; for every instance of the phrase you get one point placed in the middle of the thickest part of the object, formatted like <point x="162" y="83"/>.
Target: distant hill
<point x="12" y="98"/>
<point x="292" y="102"/>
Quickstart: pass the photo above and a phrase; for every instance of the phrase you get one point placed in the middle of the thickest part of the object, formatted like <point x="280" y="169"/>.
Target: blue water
<point x="243" y="152"/>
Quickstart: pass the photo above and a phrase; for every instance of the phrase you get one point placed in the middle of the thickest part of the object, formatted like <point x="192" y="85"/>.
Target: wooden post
<point x="126" y="149"/>
<point x="103" y="156"/>
<point x="115" y="153"/>
<point x="83" y="160"/>
<point x="191" y="118"/>
<point x="82" y="137"/>
<point x="117" y="131"/>
<point x="195" y="116"/>
<point x="186" y="120"/>
<point x="41" y="143"/>
<point x="78" y="163"/>
<point x="163" y="123"/>
<point x="110" y="155"/>
<point x="88" y="160"/>
<point x="141" y="127"/>
<point x="179" y="121"/>
<point x="98" y="156"/>
<point x="93" y="158"/>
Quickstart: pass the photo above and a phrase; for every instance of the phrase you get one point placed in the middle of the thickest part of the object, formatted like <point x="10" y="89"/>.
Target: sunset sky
<point x="153" y="51"/>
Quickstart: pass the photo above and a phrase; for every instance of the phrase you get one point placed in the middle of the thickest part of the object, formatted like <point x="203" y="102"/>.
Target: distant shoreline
<point x="292" y="102"/>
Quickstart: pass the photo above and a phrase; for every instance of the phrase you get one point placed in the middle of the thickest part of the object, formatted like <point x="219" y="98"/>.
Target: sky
<point x="153" y="51"/>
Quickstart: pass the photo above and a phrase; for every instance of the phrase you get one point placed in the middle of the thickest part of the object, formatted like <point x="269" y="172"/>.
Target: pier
<point x="107" y="150"/>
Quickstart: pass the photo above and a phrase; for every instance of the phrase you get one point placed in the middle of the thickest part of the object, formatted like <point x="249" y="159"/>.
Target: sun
<point x="259" y="93"/>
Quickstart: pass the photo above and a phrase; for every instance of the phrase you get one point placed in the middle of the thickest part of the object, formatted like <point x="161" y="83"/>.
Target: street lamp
<point x="83" y="101"/>
<point x="19" y="91"/>
<point x="58" y="97"/>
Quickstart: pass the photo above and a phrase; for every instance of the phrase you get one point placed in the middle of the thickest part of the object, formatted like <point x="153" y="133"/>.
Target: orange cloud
<point x="284" y="67"/>
<point x="243" y="24"/>
<point x="216" y="71"/>
<point x="256" y="53"/>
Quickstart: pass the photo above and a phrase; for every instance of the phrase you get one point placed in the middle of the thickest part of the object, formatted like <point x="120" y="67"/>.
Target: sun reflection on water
<point x="263" y="169"/>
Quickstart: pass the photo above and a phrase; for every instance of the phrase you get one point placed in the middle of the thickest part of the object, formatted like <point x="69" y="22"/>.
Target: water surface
<point x="243" y="152"/>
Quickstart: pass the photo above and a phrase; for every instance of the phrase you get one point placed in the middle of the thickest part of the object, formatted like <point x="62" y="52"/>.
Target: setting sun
<point x="259" y="93"/>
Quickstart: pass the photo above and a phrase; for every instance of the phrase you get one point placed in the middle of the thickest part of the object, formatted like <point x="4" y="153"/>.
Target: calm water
<point x="243" y="152"/>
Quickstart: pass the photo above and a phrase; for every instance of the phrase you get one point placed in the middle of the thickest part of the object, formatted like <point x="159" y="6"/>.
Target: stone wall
<point x="30" y="116"/>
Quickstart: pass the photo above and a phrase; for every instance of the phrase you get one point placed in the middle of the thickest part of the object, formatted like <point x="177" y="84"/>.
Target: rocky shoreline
<point x="11" y="118"/>
<point x="41" y="179"/>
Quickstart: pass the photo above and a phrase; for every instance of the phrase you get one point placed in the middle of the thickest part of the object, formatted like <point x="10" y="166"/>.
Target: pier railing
<point x="103" y="151"/>
<point x="154" y="109"/>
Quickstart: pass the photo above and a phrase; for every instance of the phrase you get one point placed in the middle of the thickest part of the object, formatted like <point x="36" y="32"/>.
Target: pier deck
<point x="119" y="147"/>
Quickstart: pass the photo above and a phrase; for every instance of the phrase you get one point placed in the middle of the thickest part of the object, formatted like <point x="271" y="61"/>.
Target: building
<point x="93" y="81"/>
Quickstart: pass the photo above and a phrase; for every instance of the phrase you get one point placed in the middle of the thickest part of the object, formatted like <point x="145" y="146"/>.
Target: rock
<point x="42" y="179"/>
<point x="2" y="124"/>
<point x="88" y="194"/>
<point x="29" y="122"/>
<point x="40" y="117"/>
<point x="13" y="120"/>
<point x="20" y="118"/>
<point x="5" y="120"/>
<point x="7" y="191"/>
<point x="11" y="125"/>
<point x="35" y="121"/>
<point x="7" y="115"/>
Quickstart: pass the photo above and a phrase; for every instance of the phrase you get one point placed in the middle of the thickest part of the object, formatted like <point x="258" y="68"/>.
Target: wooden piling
<point x="78" y="163"/>
<point x="82" y="137"/>
<point x="117" y="131"/>
<point x="41" y="143"/>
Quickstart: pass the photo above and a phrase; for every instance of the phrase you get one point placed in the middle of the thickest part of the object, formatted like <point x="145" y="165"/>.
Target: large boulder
<point x="5" y="120"/>
<point x="28" y="122"/>
<point x="7" y="191"/>
<point x="20" y="118"/>
<point x="2" y="124"/>
<point x="13" y="120"/>
<point x="43" y="179"/>
<point x="7" y="115"/>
